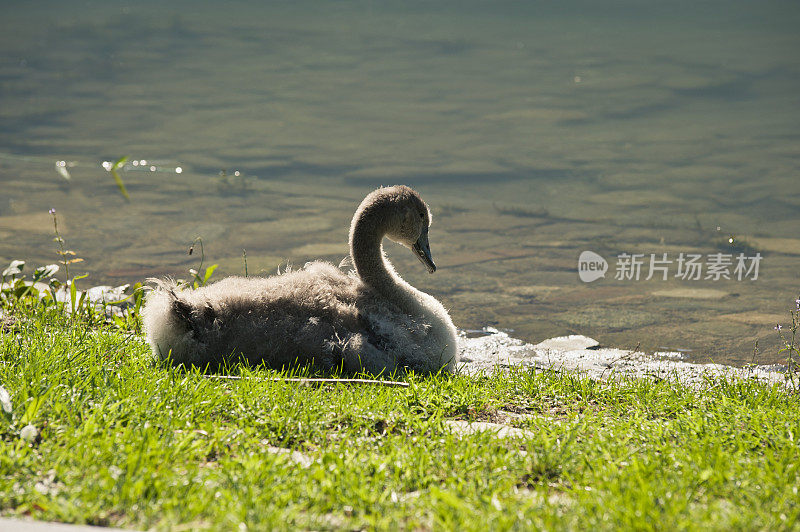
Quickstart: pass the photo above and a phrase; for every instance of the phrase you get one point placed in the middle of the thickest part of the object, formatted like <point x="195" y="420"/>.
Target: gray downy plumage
<point x="368" y="319"/>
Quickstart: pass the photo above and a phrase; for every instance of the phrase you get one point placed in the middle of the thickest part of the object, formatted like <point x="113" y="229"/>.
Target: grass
<point x="93" y="431"/>
<point x="122" y="441"/>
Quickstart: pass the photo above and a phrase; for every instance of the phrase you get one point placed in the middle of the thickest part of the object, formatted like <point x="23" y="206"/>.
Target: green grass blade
<point x="120" y="163"/>
<point x="120" y="184"/>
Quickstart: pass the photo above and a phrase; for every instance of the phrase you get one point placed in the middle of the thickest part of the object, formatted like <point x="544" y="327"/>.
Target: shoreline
<point x="495" y="349"/>
<point x="584" y="355"/>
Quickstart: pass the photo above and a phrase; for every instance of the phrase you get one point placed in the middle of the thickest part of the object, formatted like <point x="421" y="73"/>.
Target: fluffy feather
<point x="365" y="320"/>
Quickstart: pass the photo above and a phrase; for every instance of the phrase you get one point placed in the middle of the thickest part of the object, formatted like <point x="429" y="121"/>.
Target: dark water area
<point x="535" y="131"/>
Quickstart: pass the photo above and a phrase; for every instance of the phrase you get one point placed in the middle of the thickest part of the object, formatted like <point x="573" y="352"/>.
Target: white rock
<point x="501" y="431"/>
<point x="297" y="457"/>
<point x="5" y="400"/>
<point x="568" y="343"/>
<point x="570" y="353"/>
<point x="29" y="433"/>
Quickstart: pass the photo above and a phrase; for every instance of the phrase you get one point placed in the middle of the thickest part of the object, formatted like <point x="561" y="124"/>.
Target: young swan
<point x="370" y="319"/>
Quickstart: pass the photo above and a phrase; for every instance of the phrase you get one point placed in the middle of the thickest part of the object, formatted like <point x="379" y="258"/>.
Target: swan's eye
<point x="422" y="215"/>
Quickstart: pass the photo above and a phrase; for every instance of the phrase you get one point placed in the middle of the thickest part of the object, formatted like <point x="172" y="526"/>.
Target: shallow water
<point x="535" y="133"/>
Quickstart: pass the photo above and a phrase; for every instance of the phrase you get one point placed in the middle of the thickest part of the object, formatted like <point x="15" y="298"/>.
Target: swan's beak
<point x="423" y="251"/>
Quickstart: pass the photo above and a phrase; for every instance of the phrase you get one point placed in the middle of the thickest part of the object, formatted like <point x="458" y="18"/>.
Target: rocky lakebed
<point x="584" y="355"/>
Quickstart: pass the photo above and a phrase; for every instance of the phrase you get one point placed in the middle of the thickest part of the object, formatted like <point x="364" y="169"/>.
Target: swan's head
<point x="411" y="227"/>
<point x="405" y="219"/>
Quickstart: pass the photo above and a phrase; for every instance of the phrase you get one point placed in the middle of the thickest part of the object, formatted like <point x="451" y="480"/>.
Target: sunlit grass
<point x="126" y="442"/>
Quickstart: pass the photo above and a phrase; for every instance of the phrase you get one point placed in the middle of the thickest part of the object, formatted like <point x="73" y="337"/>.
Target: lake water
<point x="535" y="131"/>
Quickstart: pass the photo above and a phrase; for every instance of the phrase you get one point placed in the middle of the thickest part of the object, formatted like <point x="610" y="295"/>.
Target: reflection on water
<point x="535" y="134"/>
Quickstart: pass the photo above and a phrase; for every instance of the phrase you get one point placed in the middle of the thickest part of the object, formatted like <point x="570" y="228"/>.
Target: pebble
<point x="500" y="430"/>
<point x="303" y="460"/>
<point x="5" y="400"/>
<point x="29" y="433"/>
<point x="568" y="343"/>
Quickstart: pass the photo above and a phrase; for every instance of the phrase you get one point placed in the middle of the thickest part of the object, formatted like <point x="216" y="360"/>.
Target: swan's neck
<point x="374" y="269"/>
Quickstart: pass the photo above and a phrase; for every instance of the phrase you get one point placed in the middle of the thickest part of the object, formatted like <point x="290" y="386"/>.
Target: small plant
<point x="199" y="279"/>
<point x="112" y="306"/>
<point x="790" y="345"/>
<point x="68" y="257"/>
<point x="112" y="168"/>
<point x="126" y="318"/>
<point x="17" y="289"/>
